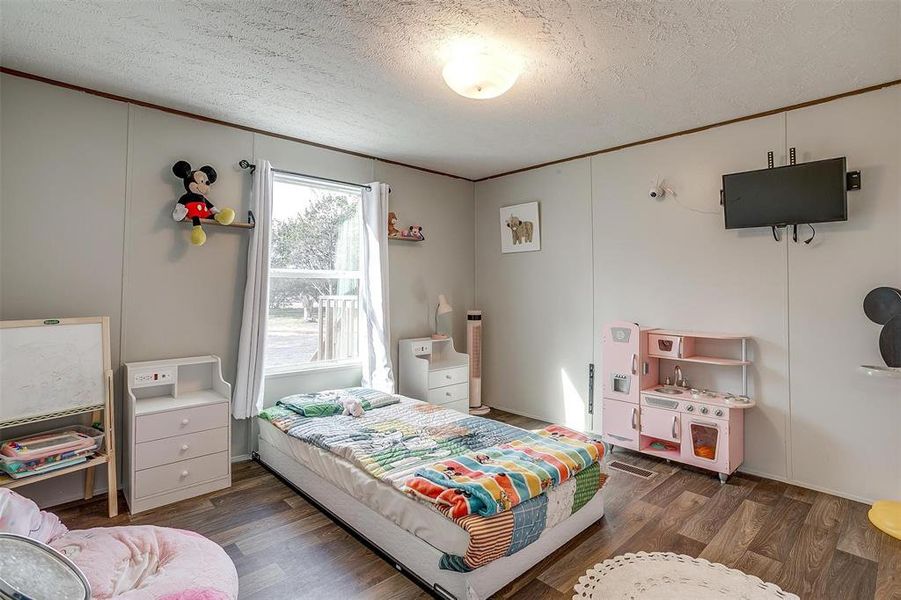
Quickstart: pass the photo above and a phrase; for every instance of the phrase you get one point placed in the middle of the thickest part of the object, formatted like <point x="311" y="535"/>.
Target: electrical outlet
<point x="154" y="377"/>
<point x="423" y="348"/>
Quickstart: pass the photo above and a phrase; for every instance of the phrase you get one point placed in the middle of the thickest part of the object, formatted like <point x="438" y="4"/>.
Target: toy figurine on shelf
<point x="413" y="233"/>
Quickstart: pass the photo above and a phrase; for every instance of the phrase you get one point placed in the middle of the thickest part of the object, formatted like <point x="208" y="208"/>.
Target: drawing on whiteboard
<point x="50" y="369"/>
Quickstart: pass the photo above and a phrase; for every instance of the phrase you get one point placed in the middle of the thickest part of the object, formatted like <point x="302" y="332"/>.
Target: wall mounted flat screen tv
<point x="813" y="192"/>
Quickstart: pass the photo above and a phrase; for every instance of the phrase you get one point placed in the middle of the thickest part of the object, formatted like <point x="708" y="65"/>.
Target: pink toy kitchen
<point x="654" y="410"/>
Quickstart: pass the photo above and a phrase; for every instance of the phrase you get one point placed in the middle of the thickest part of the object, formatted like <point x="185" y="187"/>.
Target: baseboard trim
<point x="241" y="458"/>
<point x="805" y="485"/>
<point x="742" y="469"/>
<point x="521" y="413"/>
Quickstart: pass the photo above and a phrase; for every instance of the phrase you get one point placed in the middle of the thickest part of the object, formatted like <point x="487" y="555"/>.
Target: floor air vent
<point x="630" y="469"/>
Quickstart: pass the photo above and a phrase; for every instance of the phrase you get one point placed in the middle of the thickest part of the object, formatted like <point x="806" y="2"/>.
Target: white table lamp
<point x="443" y="308"/>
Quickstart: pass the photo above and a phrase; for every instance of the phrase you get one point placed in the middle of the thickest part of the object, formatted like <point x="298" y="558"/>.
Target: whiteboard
<point x="48" y="369"/>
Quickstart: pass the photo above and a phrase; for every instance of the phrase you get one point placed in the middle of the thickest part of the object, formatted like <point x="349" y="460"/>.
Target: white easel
<point x="46" y="392"/>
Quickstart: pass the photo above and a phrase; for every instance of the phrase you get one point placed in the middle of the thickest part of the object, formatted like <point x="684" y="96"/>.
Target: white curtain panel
<point x="375" y="352"/>
<point x="248" y="397"/>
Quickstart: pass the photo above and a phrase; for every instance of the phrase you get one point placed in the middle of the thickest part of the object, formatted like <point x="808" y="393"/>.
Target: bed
<point x="409" y="533"/>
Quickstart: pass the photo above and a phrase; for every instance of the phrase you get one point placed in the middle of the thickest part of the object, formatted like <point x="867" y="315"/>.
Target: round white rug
<point x="668" y="576"/>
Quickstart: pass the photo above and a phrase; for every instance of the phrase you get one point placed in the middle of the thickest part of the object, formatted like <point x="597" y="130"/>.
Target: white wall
<point x="537" y="306"/>
<point x="820" y="422"/>
<point x="87" y="193"/>
<point x="844" y="425"/>
<point x="659" y="264"/>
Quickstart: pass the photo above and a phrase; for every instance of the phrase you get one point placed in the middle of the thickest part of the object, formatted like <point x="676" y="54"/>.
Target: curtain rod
<point x="252" y="167"/>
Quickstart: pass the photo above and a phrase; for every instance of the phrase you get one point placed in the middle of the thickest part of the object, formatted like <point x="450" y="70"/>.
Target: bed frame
<point x="410" y="554"/>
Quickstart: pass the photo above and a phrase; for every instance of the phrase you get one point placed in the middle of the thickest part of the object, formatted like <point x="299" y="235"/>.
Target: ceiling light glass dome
<point x="481" y="74"/>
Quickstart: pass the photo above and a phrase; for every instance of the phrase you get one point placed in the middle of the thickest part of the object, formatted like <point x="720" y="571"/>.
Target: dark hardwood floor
<point x="815" y="545"/>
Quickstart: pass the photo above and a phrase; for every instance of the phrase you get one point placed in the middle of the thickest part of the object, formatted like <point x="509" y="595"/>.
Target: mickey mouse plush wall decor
<point x="194" y="204"/>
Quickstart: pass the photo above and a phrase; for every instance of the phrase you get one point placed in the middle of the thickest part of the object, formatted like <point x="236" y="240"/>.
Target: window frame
<point x="315" y="366"/>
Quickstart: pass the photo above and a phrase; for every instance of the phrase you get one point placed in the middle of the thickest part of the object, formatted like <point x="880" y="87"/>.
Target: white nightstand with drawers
<point x="433" y="371"/>
<point x="177" y="430"/>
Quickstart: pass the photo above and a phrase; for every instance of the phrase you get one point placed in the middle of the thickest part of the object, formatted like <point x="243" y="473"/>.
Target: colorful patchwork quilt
<point x="496" y="479"/>
<point x="506" y="533"/>
<point x="404" y="441"/>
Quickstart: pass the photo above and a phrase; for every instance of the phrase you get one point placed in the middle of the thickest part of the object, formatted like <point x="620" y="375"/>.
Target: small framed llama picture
<point x="520" y="229"/>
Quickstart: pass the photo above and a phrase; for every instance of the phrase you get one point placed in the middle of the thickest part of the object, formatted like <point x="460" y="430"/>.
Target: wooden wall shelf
<point x="251" y="222"/>
<point x="405" y="239"/>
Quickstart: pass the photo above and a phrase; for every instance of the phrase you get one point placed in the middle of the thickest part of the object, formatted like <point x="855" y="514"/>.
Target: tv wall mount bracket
<point x="852" y="178"/>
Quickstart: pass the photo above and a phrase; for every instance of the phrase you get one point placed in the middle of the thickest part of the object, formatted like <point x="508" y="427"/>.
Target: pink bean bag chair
<point x="130" y="563"/>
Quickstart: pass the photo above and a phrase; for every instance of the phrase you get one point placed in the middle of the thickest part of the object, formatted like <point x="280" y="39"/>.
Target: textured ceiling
<point x="366" y="75"/>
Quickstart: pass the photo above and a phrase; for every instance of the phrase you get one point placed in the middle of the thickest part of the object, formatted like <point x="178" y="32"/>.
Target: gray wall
<point x="820" y="422"/>
<point x="85" y="229"/>
<point x="442" y="264"/>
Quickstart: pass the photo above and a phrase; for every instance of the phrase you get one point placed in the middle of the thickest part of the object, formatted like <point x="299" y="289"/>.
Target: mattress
<point x="418" y="518"/>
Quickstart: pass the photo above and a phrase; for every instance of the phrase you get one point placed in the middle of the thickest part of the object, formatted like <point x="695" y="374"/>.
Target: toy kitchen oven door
<point x="626" y="371"/>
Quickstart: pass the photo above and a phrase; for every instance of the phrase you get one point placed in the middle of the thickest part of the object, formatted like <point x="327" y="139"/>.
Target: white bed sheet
<point x="415" y="517"/>
<point x="416" y="555"/>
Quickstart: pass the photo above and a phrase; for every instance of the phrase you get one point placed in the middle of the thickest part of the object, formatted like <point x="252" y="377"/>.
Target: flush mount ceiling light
<point x="481" y="74"/>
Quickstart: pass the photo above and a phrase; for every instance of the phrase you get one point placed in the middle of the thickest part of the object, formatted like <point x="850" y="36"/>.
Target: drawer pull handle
<point x="448" y="377"/>
<point x="448" y="394"/>
<point x="184" y="474"/>
<point x="185" y="421"/>
<point x="184" y="448"/>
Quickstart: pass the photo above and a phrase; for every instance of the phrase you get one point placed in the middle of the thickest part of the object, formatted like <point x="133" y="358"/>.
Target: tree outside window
<point x="314" y="275"/>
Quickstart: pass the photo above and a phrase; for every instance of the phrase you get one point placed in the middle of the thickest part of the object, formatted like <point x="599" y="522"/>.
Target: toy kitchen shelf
<point x="701" y="428"/>
<point x="679" y="345"/>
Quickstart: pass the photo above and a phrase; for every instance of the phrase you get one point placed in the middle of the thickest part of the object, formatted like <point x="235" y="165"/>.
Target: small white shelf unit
<point x="178" y="430"/>
<point x="433" y="371"/>
<point x="881" y="371"/>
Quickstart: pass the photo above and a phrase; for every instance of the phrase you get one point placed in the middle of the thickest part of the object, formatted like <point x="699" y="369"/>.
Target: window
<point x="314" y="274"/>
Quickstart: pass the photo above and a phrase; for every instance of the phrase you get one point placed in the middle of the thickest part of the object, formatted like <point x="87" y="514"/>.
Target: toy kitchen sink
<point x="696" y="427"/>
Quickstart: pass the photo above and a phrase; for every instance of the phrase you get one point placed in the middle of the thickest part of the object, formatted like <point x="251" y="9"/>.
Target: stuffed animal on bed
<point x="352" y="407"/>
<point x="194" y="204"/>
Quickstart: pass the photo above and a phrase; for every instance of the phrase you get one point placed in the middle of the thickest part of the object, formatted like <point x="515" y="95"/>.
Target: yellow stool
<point x="886" y="515"/>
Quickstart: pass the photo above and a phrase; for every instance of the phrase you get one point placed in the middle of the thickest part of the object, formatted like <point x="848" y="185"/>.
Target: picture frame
<point x="520" y="228"/>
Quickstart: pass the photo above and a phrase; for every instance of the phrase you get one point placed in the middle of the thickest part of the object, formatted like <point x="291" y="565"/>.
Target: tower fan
<point x="474" y="349"/>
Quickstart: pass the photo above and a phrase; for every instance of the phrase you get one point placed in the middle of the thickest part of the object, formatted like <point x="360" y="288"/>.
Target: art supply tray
<point x="36" y="463"/>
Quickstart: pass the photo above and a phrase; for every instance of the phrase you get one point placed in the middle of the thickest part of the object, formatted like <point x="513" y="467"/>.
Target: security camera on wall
<point x="659" y="190"/>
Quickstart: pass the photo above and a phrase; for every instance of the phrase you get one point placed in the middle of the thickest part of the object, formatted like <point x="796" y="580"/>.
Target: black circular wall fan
<point x="883" y="306"/>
